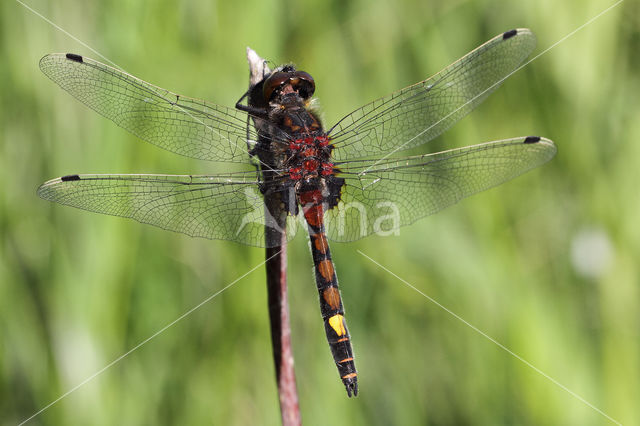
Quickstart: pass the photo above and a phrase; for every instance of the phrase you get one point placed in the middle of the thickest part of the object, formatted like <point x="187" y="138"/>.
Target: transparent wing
<point x="380" y="197"/>
<point x="227" y="207"/>
<point x="186" y="126"/>
<point x="419" y="113"/>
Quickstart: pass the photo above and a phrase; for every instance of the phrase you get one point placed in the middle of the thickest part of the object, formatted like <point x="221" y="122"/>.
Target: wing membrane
<point x="423" y="111"/>
<point x="183" y="125"/>
<point x="380" y="198"/>
<point x="227" y="207"/>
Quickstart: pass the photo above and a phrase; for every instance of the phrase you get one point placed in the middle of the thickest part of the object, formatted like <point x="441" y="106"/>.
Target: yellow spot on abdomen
<point x="337" y="323"/>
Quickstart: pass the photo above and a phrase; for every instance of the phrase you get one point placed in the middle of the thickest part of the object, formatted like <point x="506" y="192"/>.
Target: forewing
<point x="419" y="113"/>
<point x="381" y="197"/>
<point x="227" y="207"/>
<point x="186" y="126"/>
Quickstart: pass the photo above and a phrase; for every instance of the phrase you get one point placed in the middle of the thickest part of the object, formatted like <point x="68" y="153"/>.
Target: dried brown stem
<point x="276" y="268"/>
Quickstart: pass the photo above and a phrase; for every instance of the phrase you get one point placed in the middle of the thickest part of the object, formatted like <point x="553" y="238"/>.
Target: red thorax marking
<point x="310" y="165"/>
<point x="326" y="169"/>
<point x="297" y="144"/>
<point x="295" y="173"/>
<point x="306" y="148"/>
<point x="323" y="140"/>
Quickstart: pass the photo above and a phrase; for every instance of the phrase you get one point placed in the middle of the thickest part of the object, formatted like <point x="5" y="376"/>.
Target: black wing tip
<point x="532" y="139"/>
<point x="74" y="57"/>
<point x="508" y="34"/>
<point x="69" y="178"/>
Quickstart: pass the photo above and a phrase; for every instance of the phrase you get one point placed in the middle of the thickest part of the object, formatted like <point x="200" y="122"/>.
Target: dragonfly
<point x="342" y="183"/>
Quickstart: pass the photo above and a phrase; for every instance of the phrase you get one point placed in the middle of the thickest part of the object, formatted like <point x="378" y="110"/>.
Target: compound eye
<point x="273" y="82"/>
<point x="303" y="83"/>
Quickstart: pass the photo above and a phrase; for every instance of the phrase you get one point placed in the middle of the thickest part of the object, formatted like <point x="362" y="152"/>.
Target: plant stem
<point x="281" y="333"/>
<point x="276" y="269"/>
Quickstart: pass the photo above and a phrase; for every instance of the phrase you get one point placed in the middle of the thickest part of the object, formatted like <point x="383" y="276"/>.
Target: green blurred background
<point x="546" y="264"/>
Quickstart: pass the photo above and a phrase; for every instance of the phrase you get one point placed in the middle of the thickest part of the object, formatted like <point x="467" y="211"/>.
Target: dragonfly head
<point x="287" y="80"/>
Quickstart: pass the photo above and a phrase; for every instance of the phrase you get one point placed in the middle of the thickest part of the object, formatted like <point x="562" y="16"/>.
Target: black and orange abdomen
<point x="327" y="283"/>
